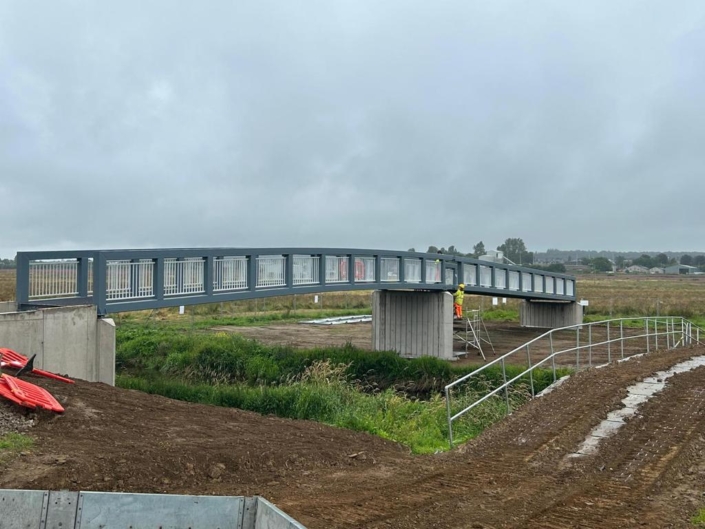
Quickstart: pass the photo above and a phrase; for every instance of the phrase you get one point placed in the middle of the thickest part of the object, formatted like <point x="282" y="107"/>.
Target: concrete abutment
<point x="71" y="341"/>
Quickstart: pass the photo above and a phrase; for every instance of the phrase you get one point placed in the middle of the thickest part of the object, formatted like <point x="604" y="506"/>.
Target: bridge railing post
<point x="289" y="270"/>
<point x="82" y="277"/>
<point x="100" y="283"/>
<point x="351" y="268"/>
<point x="208" y="268"/>
<point x="158" y="279"/>
<point x="252" y="272"/>
<point x="322" y="269"/>
<point x="22" y="279"/>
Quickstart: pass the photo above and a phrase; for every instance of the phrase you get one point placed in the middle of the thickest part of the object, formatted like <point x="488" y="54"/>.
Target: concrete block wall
<point x="67" y="340"/>
<point x="550" y="314"/>
<point x="413" y="323"/>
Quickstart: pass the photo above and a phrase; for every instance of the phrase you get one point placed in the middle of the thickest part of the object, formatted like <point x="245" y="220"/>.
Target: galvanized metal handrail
<point x="125" y="280"/>
<point x="674" y="327"/>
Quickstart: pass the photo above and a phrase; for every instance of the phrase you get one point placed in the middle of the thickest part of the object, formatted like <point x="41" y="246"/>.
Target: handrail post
<point x="646" y="328"/>
<point x="577" y="348"/>
<point x="531" y="371"/>
<point x="621" y="336"/>
<point x="553" y="356"/>
<point x="506" y="388"/>
<point x="450" y="420"/>
<point x="589" y="345"/>
<point x="656" y="333"/>
<point x="609" y="344"/>
<point x="668" y="336"/>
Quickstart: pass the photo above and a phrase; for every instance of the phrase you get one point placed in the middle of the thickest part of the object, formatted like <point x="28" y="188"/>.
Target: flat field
<point x="633" y="295"/>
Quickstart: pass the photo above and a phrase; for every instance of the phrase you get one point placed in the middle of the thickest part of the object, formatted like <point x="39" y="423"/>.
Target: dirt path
<point x="504" y="337"/>
<point x="517" y="474"/>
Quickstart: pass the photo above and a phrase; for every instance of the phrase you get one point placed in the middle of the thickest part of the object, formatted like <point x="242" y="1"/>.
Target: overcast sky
<point x="355" y="123"/>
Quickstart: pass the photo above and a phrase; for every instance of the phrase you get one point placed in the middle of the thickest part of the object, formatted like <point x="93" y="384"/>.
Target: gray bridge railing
<point x="126" y="280"/>
<point x="596" y="343"/>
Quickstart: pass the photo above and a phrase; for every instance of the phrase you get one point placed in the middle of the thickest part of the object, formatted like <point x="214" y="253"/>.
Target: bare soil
<point x="517" y="474"/>
<point x="504" y="337"/>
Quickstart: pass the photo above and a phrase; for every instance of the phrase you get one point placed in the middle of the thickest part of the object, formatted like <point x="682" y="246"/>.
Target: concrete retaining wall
<point x="30" y="509"/>
<point x="68" y="340"/>
<point x="413" y="323"/>
<point x="549" y="314"/>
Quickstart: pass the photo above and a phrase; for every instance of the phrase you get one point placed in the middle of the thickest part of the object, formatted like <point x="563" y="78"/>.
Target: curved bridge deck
<point x="126" y="280"/>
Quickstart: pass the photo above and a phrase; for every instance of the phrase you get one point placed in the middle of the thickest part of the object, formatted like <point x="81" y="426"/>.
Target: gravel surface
<point x="12" y="419"/>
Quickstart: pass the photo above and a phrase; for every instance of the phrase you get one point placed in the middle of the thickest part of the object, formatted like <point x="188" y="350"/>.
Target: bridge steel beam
<point x="128" y="280"/>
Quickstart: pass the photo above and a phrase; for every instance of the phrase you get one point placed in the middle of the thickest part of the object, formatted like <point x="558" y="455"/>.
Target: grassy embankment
<point x="375" y="392"/>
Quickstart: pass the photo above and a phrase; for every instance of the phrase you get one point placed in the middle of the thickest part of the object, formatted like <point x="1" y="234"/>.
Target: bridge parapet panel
<point x="124" y="280"/>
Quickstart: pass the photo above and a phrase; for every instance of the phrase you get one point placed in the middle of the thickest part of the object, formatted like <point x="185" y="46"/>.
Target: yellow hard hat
<point x="461" y="285"/>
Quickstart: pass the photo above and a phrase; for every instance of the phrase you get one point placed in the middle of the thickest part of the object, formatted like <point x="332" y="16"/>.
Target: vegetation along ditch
<point x="376" y="392"/>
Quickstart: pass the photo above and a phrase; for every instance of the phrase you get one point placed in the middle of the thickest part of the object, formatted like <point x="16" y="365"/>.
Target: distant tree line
<point x="553" y="260"/>
<point x="6" y="264"/>
<point x="513" y="249"/>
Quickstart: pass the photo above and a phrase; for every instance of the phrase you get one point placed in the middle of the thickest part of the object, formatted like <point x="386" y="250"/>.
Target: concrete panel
<point x="22" y="509"/>
<point x="413" y="323"/>
<point x="23" y="332"/>
<point x="100" y="510"/>
<point x="105" y="351"/>
<point x="70" y="341"/>
<point x="8" y="306"/>
<point x="67" y="340"/>
<point x="550" y="314"/>
<point x="61" y="511"/>
<point x="270" y="517"/>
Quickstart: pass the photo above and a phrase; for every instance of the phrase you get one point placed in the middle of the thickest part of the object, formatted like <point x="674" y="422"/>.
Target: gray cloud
<point x="367" y="124"/>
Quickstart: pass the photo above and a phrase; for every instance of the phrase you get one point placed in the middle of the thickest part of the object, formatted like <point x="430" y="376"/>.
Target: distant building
<point x="681" y="269"/>
<point x="656" y="270"/>
<point x="636" y="269"/>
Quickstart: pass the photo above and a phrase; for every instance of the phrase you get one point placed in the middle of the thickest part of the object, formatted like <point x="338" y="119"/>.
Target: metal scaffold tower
<point x="472" y="332"/>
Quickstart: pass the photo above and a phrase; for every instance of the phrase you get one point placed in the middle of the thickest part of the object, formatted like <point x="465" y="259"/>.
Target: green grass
<point x="228" y="358"/>
<point x="699" y="519"/>
<point x="324" y="394"/>
<point x="14" y="443"/>
<point x="372" y="391"/>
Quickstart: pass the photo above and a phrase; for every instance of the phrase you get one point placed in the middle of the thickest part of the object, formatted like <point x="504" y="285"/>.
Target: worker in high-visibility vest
<point x="458" y="298"/>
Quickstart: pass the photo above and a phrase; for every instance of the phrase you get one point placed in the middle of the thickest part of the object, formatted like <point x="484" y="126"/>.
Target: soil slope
<point x="517" y="474"/>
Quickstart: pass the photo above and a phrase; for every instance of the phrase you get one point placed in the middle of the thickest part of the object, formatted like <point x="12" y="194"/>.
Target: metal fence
<point x="579" y="346"/>
<point x="145" y="279"/>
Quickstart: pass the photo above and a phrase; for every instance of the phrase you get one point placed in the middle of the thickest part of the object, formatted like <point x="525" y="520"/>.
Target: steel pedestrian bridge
<point x="128" y="280"/>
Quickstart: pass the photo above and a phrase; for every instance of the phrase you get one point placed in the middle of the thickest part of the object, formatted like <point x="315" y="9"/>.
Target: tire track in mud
<point x="513" y="475"/>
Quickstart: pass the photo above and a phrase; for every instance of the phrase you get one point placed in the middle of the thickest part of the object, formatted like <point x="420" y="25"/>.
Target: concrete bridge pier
<point x="71" y="341"/>
<point x="550" y="314"/>
<point x="413" y="323"/>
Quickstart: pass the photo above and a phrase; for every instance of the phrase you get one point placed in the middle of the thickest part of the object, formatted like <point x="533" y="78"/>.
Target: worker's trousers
<point x="458" y="310"/>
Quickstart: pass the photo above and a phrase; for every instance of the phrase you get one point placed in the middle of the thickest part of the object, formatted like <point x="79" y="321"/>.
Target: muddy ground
<point x="517" y="474"/>
<point x="502" y="337"/>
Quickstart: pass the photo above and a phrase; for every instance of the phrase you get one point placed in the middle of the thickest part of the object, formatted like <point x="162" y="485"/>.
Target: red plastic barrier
<point x="28" y="395"/>
<point x="16" y="360"/>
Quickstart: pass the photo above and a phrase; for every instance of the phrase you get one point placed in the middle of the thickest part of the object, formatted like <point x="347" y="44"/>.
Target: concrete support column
<point x="413" y="323"/>
<point x="550" y="314"/>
